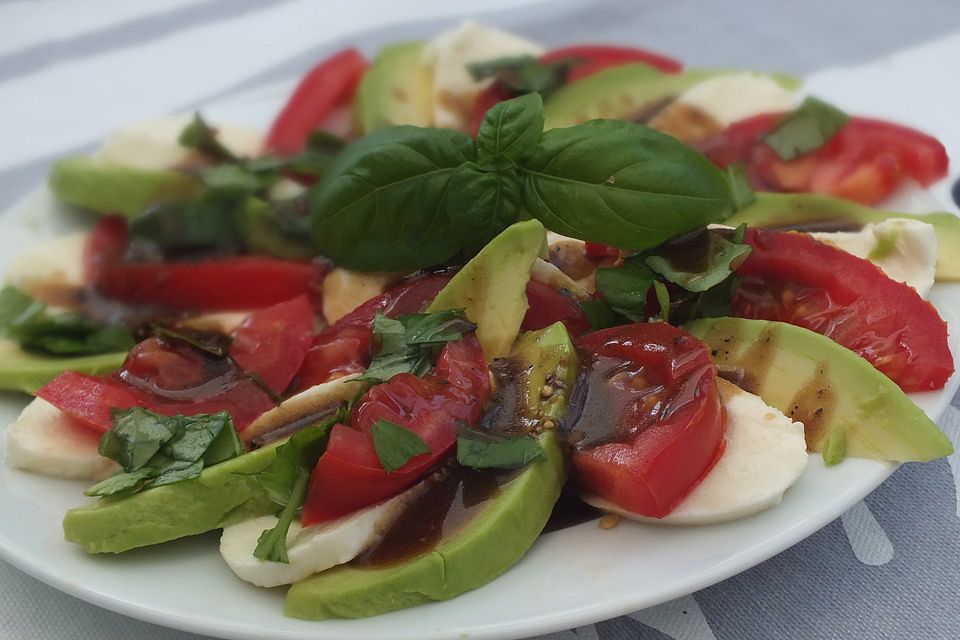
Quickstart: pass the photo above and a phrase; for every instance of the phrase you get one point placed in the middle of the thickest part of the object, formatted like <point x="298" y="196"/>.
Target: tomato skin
<point x="597" y="57"/>
<point x="634" y="373"/>
<point x="548" y="306"/>
<point x="326" y="86"/>
<point x="245" y="282"/>
<point x="106" y="244"/>
<point x="865" y="161"/>
<point x="599" y="251"/>
<point x="590" y="58"/>
<point x="273" y="342"/>
<point x="790" y="277"/>
<point x="349" y="475"/>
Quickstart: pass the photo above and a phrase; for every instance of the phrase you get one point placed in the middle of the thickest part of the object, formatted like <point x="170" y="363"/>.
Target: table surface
<point x="70" y="71"/>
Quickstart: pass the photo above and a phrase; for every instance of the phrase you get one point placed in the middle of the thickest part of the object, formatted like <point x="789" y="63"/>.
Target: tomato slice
<point x="349" y="475"/>
<point x="327" y="86"/>
<point x="548" y="306"/>
<point x="790" y="277"/>
<point x="245" y="282"/>
<point x="597" y="57"/>
<point x="589" y="59"/>
<point x="865" y="161"/>
<point x="107" y="244"/>
<point x="273" y="342"/>
<point x="165" y="377"/>
<point x="345" y="346"/>
<point x="651" y="420"/>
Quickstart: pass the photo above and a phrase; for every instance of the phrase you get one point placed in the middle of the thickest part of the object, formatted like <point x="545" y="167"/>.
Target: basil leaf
<point x="286" y="479"/>
<point x="209" y="342"/>
<point x="806" y="129"/>
<point x="511" y="130"/>
<point x="121" y="483"/>
<point x="716" y="302"/>
<point x="740" y="189"/>
<point x="202" y="137"/>
<point x="214" y="222"/>
<point x="625" y="288"/>
<point x="721" y="257"/>
<point x="524" y="74"/>
<point x="384" y="206"/>
<point x="395" y="445"/>
<point x="27" y="322"/>
<point x="663" y="299"/>
<point x="601" y="315"/>
<point x="483" y="203"/>
<point x="621" y="184"/>
<point x="236" y="178"/>
<point x="408" y="343"/>
<point x="484" y="451"/>
<point x="154" y="450"/>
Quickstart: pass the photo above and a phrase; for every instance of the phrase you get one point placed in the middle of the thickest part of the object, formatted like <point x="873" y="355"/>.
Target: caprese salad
<point x="464" y="282"/>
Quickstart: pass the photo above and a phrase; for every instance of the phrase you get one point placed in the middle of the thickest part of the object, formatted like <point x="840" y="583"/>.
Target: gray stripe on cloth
<point x="133" y="32"/>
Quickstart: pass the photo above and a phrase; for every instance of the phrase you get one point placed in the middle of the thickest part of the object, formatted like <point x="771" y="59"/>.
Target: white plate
<point x="570" y="577"/>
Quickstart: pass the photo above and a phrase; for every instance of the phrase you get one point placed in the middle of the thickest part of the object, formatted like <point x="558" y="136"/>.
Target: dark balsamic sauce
<point x="827" y="225"/>
<point x="454" y="495"/>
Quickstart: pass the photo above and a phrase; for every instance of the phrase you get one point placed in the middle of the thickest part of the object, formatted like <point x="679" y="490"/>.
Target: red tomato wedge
<point x="790" y="277"/>
<point x="327" y="86"/>
<point x="651" y="419"/>
<point x="865" y="161"/>
<point x="548" y="306"/>
<point x="345" y="347"/>
<point x="273" y="342"/>
<point x="166" y="378"/>
<point x="589" y="59"/>
<point x="350" y="476"/>
<point x="106" y="245"/>
<point x="170" y="377"/>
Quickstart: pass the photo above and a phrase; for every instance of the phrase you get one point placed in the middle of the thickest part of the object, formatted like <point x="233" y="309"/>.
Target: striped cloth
<point x="71" y="71"/>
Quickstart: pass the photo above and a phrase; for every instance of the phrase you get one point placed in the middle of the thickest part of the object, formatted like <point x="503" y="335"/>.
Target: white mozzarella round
<point x="732" y="97"/>
<point x="47" y="441"/>
<point x="345" y="290"/>
<point x="309" y="549"/>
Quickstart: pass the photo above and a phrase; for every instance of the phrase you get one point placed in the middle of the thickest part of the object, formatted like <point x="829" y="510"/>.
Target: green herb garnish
<point x="806" y="129"/>
<point x="479" y="450"/>
<point x="395" y="445"/>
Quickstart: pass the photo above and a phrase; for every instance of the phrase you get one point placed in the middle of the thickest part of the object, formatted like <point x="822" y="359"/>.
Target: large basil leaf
<point x="384" y="206"/>
<point x="483" y="202"/>
<point x="511" y="130"/>
<point x="622" y="184"/>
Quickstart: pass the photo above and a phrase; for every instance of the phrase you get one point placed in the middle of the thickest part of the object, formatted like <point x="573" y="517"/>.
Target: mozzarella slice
<point x="304" y="406"/>
<point x="344" y="290"/>
<point x="765" y="453"/>
<point x="47" y="441"/>
<point x="153" y="144"/>
<point x="52" y="264"/>
<point x="548" y="273"/>
<point x="312" y="549"/>
<point x="732" y="97"/>
<point x="454" y="89"/>
<point x="905" y="249"/>
<point x="220" y="321"/>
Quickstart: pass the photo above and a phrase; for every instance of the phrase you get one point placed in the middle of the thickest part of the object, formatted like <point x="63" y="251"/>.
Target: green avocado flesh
<point x="491" y="288"/>
<point x="623" y="92"/>
<point x="847" y="407"/>
<point x="83" y="182"/>
<point x="789" y="209"/>
<point x="221" y="495"/>
<point x="397" y="89"/>
<point x="27" y="372"/>
<point x="489" y="544"/>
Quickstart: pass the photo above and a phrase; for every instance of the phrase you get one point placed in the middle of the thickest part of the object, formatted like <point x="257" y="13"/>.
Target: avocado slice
<point x="27" y="372"/>
<point x="492" y="287"/>
<point x="490" y="543"/>
<point x="798" y="209"/>
<point x="624" y="92"/>
<point x="397" y="89"/>
<point x="847" y="407"/>
<point x="221" y="495"/>
<point x="84" y="182"/>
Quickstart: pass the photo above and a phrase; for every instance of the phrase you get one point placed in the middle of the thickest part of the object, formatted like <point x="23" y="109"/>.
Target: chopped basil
<point x="286" y="480"/>
<point x="408" y="343"/>
<point x="663" y="299"/>
<point x="210" y="342"/>
<point x="154" y="449"/>
<point x="524" y="74"/>
<point x="740" y="188"/>
<point x="625" y="288"/>
<point x="721" y="257"/>
<point x="202" y="137"/>
<point x="28" y="322"/>
<point x="806" y="129"/>
<point x="479" y="450"/>
<point x="395" y="445"/>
